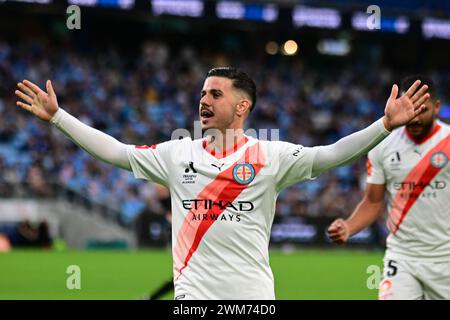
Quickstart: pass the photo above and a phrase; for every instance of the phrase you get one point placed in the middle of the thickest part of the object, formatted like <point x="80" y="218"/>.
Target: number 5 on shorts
<point x="392" y="268"/>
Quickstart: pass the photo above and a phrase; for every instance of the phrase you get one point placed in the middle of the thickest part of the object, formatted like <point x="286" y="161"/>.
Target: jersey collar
<point x="226" y="153"/>
<point x="436" y="128"/>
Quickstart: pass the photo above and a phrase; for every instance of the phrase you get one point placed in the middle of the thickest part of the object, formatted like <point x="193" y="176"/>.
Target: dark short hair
<point x="409" y="80"/>
<point x="241" y="81"/>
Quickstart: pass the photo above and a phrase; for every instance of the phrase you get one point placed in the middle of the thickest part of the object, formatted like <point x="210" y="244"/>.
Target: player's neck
<point x="426" y="134"/>
<point x="226" y="141"/>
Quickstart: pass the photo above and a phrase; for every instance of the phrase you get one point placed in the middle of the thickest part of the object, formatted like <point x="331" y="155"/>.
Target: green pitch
<point x="306" y="274"/>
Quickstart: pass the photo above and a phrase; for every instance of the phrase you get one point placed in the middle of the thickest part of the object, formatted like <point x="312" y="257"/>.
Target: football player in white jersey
<point x="411" y="168"/>
<point x="224" y="186"/>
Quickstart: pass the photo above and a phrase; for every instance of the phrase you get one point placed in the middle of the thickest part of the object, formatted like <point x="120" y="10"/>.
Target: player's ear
<point x="437" y="106"/>
<point x="243" y="107"/>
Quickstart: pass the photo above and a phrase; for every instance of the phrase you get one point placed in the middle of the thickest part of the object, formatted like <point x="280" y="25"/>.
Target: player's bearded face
<point x="421" y="125"/>
<point x="217" y="104"/>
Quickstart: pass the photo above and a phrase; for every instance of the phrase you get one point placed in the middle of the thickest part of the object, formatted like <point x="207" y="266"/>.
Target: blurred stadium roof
<point x="416" y="7"/>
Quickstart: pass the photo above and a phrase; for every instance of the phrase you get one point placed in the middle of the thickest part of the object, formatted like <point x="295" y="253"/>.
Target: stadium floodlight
<point x="246" y="11"/>
<point x="436" y="28"/>
<point x="290" y="48"/>
<point x="387" y="24"/>
<point x="316" y="17"/>
<point x="272" y="48"/>
<point x="187" y="8"/>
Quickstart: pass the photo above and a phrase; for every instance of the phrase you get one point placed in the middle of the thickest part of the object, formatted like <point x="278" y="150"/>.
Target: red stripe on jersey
<point x="142" y="147"/>
<point x="223" y="188"/>
<point x="419" y="177"/>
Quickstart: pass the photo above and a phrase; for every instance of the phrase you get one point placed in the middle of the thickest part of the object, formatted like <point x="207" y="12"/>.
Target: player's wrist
<point x="57" y="116"/>
<point x="349" y="228"/>
<point x="387" y="126"/>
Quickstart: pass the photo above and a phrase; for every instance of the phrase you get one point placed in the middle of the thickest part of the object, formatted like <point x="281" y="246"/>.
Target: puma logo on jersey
<point x="218" y="167"/>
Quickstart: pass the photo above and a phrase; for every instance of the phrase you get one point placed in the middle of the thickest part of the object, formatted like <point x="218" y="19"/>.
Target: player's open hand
<point x="338" y="231"/>
<point x="40" y="103"/>
<point x="400" y="111"/>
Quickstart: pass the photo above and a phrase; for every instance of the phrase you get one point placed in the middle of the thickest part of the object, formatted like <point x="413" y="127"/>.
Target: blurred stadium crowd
<point x="142" y="100"/>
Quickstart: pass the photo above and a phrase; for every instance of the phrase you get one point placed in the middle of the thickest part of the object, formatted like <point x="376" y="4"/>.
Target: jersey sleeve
<point x="151" y="163"/>
<point x="375" y="172"/>
<point x="295" y="164"/>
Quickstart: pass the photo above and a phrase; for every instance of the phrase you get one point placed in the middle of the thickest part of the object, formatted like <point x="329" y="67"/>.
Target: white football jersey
<point x="223" y="206"/>
<point x="417" y="179"/>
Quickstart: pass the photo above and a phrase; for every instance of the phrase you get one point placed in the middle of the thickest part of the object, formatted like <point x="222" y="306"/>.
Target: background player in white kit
<point x="223" y="188"/>
<point x="411" y="167"/>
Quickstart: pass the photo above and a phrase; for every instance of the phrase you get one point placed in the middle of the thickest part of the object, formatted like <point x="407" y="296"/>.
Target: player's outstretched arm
<point x="44" y="105"/>
<point x="399" y="111"/>
<point x="366" y="213"/>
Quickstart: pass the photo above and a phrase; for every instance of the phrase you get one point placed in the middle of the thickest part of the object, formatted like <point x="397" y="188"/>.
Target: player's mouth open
<point x="206" y="114"/>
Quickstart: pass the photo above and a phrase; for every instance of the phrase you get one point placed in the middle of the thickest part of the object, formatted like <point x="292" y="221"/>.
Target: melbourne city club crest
<point x="439" y="160"/>
<point x="243" y="173"/>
